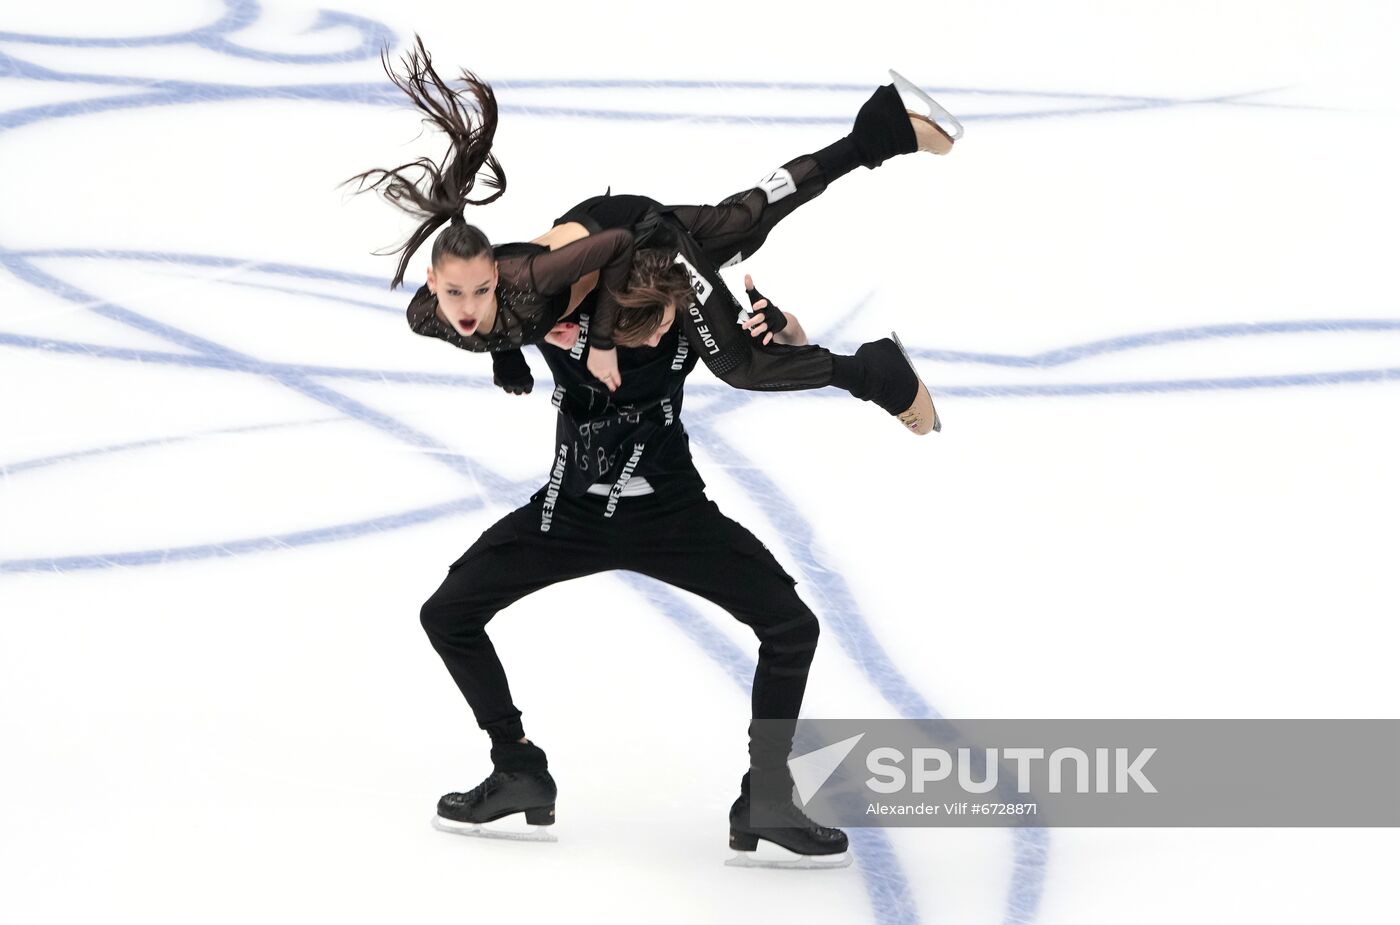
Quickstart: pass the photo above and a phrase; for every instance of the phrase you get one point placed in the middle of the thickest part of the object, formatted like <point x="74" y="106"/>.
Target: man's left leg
<point x="722" y="561"/>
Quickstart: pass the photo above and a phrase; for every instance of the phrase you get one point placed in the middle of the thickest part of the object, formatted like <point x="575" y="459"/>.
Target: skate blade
<point x="790" y="861"/>
<point x="937" y="421"/>
<point x="477" y="830"/>
<point x="940" y="117"/>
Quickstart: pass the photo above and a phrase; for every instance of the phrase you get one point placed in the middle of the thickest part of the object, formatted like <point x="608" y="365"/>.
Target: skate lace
<point x="808" y="821"/>
<point x="799" y="819"/>
<point x="483" y="789"/>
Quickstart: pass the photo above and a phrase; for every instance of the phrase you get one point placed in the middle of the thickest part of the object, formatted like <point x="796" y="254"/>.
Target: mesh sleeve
<point x="609" y="252"/>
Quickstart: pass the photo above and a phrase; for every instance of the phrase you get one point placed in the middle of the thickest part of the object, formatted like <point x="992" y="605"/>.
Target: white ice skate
<point x="947" y="129"/>
<point x="498" y="829"/>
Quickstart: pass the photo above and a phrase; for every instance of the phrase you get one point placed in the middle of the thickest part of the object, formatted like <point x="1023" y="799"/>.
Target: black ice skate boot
<point x="815" y="845"/>
<point x="520" y="783"/>
<point x="882" y="372"/>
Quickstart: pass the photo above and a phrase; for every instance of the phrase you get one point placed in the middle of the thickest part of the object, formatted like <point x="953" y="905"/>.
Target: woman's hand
<point x="603" y="365"/>
<point x="563" y="335"/>
<point x="511" y="372"/>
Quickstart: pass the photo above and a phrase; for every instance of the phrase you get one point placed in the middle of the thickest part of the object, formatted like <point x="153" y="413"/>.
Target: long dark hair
<point x="437" y="192"/>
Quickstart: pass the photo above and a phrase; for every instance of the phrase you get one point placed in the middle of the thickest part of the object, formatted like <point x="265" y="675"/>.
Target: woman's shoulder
<point x="518" y="250"/>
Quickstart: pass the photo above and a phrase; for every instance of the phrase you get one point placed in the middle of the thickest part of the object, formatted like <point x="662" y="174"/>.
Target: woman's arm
<point x="607" y="257"/>
<point x="561" y="234"/>
<point x="609" y="254"/>
<point x="557" y="237"/>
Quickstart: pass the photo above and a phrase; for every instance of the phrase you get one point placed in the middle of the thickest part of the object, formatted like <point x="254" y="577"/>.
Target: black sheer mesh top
<point x="533" y="292"/>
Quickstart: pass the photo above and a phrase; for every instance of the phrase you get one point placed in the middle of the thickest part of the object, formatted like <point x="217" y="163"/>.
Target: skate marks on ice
<point x="832" y="598"/>
<point x="370" y="36"/>
<point x="202" y="354"/>
<point x="215" y="36"/>
<point x="1266" y="340"/>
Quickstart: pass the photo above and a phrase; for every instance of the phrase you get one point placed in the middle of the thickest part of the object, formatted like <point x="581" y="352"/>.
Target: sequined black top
<point x="532" y="292"/>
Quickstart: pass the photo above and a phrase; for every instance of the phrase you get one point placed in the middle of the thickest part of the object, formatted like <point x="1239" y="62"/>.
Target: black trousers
<point x="684" y="541"/>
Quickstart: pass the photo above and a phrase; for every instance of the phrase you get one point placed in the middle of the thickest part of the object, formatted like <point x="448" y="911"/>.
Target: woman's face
<point x="466" y="291"/>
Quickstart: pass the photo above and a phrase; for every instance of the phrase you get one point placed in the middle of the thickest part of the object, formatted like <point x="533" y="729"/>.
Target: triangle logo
<point x="812" y="770"/>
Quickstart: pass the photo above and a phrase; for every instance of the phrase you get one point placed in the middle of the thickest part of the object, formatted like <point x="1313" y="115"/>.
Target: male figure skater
<point x="623" y="493"/>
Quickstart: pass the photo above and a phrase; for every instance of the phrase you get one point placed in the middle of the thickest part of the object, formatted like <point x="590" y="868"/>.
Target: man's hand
<point x="766" y="319"/>
<point x="603" y="365"/>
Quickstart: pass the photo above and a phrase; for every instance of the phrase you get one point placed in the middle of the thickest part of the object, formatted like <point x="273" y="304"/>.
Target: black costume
<point x="534" y="290"/>
<point x="609" y="440"/>
<point x="674" y="534"/>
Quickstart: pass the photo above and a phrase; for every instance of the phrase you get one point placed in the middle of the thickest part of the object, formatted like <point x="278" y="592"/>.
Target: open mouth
<point x="466" y="325"/>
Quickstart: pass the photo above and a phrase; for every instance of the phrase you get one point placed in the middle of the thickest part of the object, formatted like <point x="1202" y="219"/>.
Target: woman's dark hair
<point x="655" y="282"/>
<point x="437" y="192"/>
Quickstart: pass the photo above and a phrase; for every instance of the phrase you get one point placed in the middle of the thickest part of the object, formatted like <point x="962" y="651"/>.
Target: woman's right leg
<point x="878" y="372"/>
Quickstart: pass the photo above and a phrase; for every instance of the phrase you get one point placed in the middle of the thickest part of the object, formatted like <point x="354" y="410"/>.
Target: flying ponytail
<point x="438" y="192"/>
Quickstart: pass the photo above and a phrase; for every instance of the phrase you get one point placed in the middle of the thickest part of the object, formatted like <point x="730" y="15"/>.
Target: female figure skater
<point x="492" y="299"/>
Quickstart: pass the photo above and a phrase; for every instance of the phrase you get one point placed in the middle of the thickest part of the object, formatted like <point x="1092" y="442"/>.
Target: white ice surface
<point x="216" y="703"/>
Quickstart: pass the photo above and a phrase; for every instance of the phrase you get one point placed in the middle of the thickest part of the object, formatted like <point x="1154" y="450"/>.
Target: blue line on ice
<point x="1058" y="357"/>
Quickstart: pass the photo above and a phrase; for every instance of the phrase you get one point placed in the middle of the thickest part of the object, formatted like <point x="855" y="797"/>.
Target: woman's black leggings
<point x="712" y="237"/>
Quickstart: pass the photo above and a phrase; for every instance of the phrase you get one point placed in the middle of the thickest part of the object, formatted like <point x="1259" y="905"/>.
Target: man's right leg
<point x="511" y="559"/>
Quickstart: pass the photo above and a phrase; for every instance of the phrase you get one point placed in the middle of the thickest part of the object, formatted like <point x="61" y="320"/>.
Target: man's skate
<point x="504" y="793"/>
<point x="801" y="843"/>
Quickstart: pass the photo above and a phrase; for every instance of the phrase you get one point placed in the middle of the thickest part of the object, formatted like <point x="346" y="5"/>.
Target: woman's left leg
<point x="733" y="230"/>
